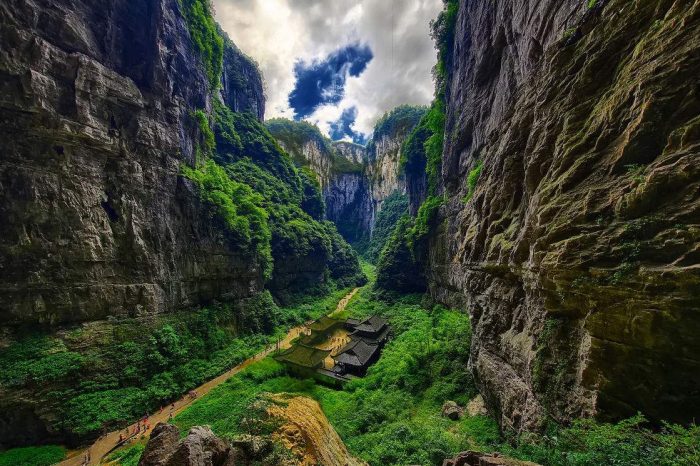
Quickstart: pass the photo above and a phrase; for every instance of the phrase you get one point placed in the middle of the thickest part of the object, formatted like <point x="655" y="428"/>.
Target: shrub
<point x="443" y="33"/>
<point x="205" y="36"/>
<point x="628" y="442"/>
<point x="472" y="179"/>
<point x="32" y="456"/>
<point x="397" y="270"/>
<point x="129" y="456"/>
<point x="238" y="207"/>
<point x="205" y="131"/>
<point x="424" y="220"/>
<point x="393" y="208"/>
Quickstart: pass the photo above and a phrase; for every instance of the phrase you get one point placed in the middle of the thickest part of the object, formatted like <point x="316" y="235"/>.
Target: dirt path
<point x="107" y="443"/>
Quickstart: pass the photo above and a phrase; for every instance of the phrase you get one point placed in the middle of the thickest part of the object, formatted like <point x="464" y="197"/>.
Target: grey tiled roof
<point x="356" y="353"/>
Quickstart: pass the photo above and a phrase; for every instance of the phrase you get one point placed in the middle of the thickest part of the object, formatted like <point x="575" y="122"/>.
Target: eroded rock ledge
<point x="578" y="254"/>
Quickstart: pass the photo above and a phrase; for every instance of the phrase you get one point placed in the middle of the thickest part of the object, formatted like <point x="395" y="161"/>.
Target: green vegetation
<point x="129" y="456"/>
<point x="443" y="33"/>
<point x="424" y="221"/>
<point x="207" y="143"/>
<point x="472" y="179"/>
<point x="205" y="36"/>
<point x="32" y="456"/>
<point x="238" y="207"/>
<point x="312" y="200"/>
<point x="392" y="416"/>
<point x="295" y="134"/>
<point x="393" y="208"/>
<point x="422" y="150"/>
<point x="397" y="269"/>
<point x="398" y="121"/>
<point x="629" y="442"/>
<point x="636" y="172"/>
<point x="108" y="374"/>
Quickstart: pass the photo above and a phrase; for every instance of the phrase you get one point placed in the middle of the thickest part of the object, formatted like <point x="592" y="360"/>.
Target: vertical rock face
<point x="383" y="170"/>
<point x="95" y="108"/>
<point x="355" y="179"/>
<point x="241" y="82"/>
<point x="354" y="153"/>
<point x="577" y="255"/>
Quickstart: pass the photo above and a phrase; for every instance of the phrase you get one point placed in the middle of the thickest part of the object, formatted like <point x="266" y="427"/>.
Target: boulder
<point x="452" y="410"/>
<point x="473" y="458"/>
<point x="200" y="448"/>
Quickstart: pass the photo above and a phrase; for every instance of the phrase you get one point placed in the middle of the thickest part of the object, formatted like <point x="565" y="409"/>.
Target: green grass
<point x="392" y="416"/>
<point x="32" y="456"/>
<point x="472" y="180"/>
<point x="128" y="456"/>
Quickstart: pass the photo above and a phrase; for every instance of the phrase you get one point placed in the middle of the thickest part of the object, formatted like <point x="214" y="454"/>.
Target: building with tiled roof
<point x="302" y="359"/>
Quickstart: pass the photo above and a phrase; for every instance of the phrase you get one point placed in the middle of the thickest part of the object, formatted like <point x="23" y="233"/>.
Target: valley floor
<point x="104" y="445"/>
<point x="392" y="416"/>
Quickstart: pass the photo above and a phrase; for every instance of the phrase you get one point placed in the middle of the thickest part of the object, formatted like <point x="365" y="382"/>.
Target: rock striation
<point x="241" y="81"/>
<point x="355" y="179"/>
<point x="95" y="220"/>
<point x="577" y="254"/>
<point x="199" y="448"/>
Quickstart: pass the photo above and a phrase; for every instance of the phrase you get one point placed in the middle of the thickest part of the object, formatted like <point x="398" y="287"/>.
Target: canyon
<point x="535" y="232"/>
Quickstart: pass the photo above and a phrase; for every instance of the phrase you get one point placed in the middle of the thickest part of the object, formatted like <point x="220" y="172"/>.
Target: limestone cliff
<point x="241" y="81"/>
<point x="355" y="180"/>
<point x="577" y="251"/>
<point x="96" y="103"/>
<point x="136" y="179"/>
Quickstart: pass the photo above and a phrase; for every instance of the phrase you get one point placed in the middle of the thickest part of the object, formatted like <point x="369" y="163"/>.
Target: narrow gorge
<point x="507" y="246"/>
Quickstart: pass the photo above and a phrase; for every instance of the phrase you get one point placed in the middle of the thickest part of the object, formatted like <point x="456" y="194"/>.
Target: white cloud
<point x="277" y="33"/>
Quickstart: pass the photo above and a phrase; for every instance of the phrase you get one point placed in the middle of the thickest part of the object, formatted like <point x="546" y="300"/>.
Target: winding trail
<point x="105" y="444"/>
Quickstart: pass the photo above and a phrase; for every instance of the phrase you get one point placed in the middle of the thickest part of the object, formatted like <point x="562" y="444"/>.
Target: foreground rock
<point x="306" y="432"/>
<point x="200" y="448"/>
<point x="452" y="410"/>
<point x="473" y="458"/>
<point x="301" y="436"/>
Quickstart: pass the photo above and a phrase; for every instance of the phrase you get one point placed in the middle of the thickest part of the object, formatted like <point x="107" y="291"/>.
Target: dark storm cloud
<point x="342" y="127"/>
<point x="322" y="82"/>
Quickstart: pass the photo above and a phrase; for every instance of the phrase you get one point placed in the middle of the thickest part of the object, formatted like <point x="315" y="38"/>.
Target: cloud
<point x="280" y="33"/>
<point x="322" y="82"/>
<point x="342" y="128"/>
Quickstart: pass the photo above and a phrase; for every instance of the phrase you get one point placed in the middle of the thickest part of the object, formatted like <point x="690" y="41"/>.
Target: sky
<point x="337" y="63"/>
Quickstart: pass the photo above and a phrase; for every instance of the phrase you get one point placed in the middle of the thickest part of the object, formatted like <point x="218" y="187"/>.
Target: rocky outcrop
<point x="95" y="108"/>
<point x="305" y="431"/>
<point x="473" y="458"/>
<point x="199" y="448"/>
<point x="301" y="435"/>
<point x="383" y="170"/>
<point x="355" y="180"/>
<point x="349" y="205"/>
<point x="352" y="152"/>
<point x="241" y="81"/>
<point x="577" y="254"/>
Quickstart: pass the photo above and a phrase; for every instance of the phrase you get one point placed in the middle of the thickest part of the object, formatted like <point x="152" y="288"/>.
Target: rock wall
<point x="355" y="179"/>
<point x="95" y="109"/>
<point x="577" y="255"/>
<point x="241" y="81"/>
<point x="354" y="153"/>
<point x="383" y="170"/>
